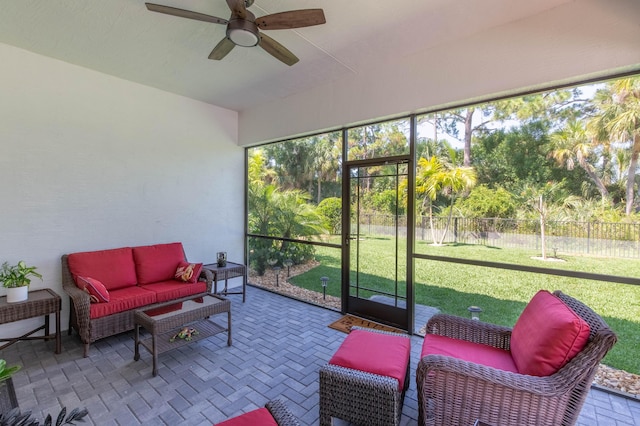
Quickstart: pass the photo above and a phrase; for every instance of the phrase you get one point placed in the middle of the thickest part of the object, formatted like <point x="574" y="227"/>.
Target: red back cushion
<point x="547" y="335"/>
<point x="259" y="417"/>
<point x="188" y="272"/>
<point x="113" y="268"/>
<point x="97" y="291"/>
<point x="157" y="262"/>
<point x="376" y="353"/>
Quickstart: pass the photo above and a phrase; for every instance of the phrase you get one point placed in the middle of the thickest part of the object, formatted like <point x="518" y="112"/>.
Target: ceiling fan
<point x="243" y="28"/>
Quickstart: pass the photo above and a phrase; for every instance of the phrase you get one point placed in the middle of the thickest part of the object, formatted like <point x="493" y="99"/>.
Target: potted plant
<point x="16" y="279"/>
<point x="16" y="418"/>
<point x="8" y="398"/>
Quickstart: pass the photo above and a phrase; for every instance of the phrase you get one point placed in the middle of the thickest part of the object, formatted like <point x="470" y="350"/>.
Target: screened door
<point x="375" y="239"/>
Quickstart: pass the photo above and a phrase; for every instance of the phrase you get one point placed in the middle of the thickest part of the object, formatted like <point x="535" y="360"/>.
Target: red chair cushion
<point x="97" y="291"/>
<point x="169" y="290"/>
<point x="468" y="351"/>
<point x="547" y="335"/>
<point x="113" y="268"/>
<point x="376" y="353"/>
<point x="123" y="299"/>
<point x="157" y="262"/>
<point x="259" y="417"/>
<point x="188" y="272"/>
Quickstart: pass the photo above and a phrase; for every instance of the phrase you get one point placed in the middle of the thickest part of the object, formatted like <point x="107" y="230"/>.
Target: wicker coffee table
<point x="164" y="321"/>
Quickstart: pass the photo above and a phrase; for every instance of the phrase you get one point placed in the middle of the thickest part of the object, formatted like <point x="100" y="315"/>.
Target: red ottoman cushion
<point x="547" y="335"/>
<point x="259" y="417"/>
<point x="376" y="353"/>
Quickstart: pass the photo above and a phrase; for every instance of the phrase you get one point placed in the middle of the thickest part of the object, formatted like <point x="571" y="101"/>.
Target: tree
<point x="572" y="144"/>
<point x="454" y="181"/>
<point x="331" y="209"/>
<point x="546" y="201"/>
<point x="485" y="202"/>
<point x="619" y="116"/>
<point x="327" y="162"/>
<point x="435" y="177"/>
<point x="427" y="187"/>
<point x="278" y="213"/>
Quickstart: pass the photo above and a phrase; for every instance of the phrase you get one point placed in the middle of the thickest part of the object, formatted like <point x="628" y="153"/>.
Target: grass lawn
<point x="502" y="294"/>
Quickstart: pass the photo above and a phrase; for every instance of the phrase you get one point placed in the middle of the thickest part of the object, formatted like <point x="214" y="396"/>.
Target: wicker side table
<point x="231" y="270"/>
<point x="40" y="303"/>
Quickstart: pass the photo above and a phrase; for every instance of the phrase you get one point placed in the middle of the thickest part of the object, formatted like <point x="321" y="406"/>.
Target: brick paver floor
<point x="278" y="346"/>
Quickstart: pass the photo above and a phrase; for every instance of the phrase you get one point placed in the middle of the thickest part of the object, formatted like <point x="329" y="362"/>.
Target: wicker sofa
<point x="126" y="278"/>
<point x="477" y="383"/>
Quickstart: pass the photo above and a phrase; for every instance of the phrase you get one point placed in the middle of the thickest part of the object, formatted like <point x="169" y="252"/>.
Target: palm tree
<point x="427" y="186"/>
<point x="435" y="177"/>
<point x="455" y="181"/>
<point x="573" y="143"/>
<point x="619" y="106"/>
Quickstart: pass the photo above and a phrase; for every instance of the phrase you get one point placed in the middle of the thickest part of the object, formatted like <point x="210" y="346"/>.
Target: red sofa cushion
<point x="259" y="417"/>
<point x="157" y="262"/>
<point x="172" y="289"/>
<point x="123" y="299"/>
<point x="547" y="335"/>
<point x="114" y="268"/>
<point x="468" y="351"/>
<point x="376" y="353"/>
<point x="97" y="291"/>
<point x="188" y="272"/>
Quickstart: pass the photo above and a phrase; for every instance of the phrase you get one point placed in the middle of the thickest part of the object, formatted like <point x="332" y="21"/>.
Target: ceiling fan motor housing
<point x="242" y="32"/>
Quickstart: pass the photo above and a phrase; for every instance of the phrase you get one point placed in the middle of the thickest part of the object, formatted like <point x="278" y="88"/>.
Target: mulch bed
<point x="606" y="376"/>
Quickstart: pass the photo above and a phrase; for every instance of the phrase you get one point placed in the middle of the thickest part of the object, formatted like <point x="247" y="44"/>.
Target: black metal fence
<point x="570" y="237"/>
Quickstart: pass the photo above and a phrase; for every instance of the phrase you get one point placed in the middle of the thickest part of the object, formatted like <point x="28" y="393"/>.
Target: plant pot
<point x="8" y="398"/>
<point x="17" y="294"/>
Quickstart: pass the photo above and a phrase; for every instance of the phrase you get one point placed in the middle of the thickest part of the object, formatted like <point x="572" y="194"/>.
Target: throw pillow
<point x="98" y="293"/>
<point x="547" y="335"/>
<point x="188" y="272"/>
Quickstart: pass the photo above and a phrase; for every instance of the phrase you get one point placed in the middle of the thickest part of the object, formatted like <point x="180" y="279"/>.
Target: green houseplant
<point x="16" y="279"/>
<point x="8" y="398"/>
<point x="6" y="372"/>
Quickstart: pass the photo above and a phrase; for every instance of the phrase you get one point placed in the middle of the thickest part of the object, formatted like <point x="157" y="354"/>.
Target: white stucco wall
<point x="90" y="162"/>
<point x="580" y="39"/>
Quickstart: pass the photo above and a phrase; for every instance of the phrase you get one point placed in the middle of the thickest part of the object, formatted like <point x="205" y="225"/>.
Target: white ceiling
<point x="122" y="38"/>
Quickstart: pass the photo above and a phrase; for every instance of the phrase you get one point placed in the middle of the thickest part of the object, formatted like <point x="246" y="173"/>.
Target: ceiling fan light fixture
<point x="243" y="33"/>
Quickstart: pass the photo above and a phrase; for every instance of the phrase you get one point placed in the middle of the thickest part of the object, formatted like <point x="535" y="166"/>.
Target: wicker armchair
<point x="456" y="392"/>
<point x="276" y="408"/>
<point x="281" y="413"/>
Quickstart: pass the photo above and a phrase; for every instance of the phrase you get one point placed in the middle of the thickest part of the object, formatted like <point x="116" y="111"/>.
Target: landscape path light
<point x="288" y="263"/>
<point x="276" y="269"/>
<point x="475" y="312"/>
<point x="324" y="287"/>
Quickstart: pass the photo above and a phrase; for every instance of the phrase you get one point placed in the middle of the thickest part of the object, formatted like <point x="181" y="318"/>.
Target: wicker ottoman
<point x="365" y="381"/>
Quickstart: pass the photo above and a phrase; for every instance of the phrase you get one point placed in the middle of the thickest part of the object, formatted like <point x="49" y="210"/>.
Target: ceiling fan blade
<point x="220" y="51"/>
<point x="185" y="13"/>
<point x="237" y="8"/>
<point x="291" y="19"/>
<point x="277" y="50"/>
